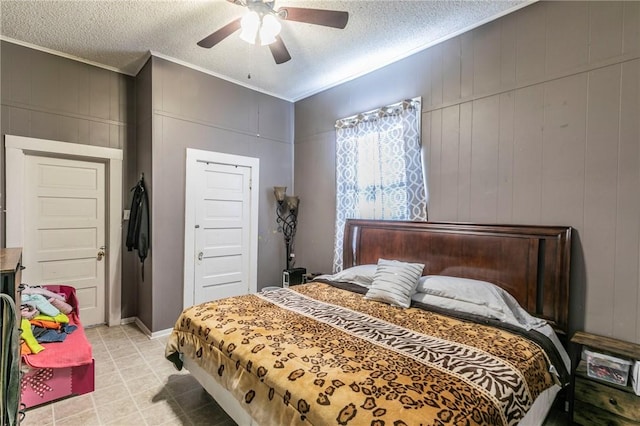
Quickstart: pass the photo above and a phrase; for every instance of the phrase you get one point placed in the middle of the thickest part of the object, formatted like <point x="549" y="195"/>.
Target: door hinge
<point x="250" y="184"/>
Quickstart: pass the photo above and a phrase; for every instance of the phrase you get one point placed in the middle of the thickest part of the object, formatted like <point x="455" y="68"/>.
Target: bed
<point x="335" y="351"/>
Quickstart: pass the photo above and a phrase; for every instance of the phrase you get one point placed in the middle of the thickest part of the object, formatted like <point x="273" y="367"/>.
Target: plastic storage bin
<point x="608" y="368"/>
<point x="635" y="378"/>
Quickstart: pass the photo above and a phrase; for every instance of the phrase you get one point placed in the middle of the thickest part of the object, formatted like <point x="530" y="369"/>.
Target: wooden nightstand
<point x="596" y="402"/>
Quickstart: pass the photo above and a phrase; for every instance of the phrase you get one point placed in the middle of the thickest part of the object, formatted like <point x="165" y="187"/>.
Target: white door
<point x="65" y="229"/>
<point x="222" y="231"/>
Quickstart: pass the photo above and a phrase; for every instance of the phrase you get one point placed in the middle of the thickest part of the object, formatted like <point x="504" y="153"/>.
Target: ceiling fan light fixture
<point x="261" y="25"/>
<point x="269" y="30"/>
<point x="250" y="25"/>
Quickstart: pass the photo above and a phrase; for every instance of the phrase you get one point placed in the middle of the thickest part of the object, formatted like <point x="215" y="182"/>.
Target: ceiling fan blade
<point x="327" y="18"/>
<point x="279" y="51"/>
<point x="220" y="35"/>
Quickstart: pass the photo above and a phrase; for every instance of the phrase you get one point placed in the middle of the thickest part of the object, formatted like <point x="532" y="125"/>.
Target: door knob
<point x="101" y="253"/>
<point x="200" y="255"/>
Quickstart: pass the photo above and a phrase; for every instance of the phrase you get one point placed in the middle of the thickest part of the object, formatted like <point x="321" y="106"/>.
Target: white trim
<point x="217" y="75"/>
<point x="146" y="331"/>
<point x="142" y="327"/>
<point x="129" y="320"/>
<point x="381" y="63"/>
<point x="17" y="148"/>
<point x="162" y="333"/>
<point x="193" y="157"/>
<point x="66" y="55"/>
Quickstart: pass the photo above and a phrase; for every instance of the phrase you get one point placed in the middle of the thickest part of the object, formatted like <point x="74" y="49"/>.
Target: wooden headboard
<point x="530" y="262"/>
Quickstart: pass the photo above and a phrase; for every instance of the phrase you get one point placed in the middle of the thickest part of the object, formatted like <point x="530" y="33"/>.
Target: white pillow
<point x="464" y="289"/>
<point x="459" y="306"/>
<point x="361" y="275"/>
<point x="503" y="305"/>
<point x="395" y="282"/>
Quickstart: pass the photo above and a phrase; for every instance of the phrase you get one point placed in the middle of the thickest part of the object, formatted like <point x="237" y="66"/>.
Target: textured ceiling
<point x="120" y="34"/>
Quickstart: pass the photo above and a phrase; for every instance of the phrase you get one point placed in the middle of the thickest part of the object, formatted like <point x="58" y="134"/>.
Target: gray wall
<point x="50" y="97"/>
<point x="153" y="118"/>
<point x="533" y="118"/>
<point x="143" y="153"/>
<point x="196" y="110"/>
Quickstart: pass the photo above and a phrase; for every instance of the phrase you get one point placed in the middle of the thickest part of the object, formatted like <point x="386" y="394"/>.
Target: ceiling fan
<point x="261" y="25"/>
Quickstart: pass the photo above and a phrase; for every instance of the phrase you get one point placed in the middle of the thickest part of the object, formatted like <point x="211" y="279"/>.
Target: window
<point x="379" y="173"/>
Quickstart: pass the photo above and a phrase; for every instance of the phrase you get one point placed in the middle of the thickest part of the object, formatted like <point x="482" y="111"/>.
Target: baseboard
<point x="125" y="321"/>
<point x="149" y="333"/>
<point x="161" y="333"/>
<point x="142" y="327"/>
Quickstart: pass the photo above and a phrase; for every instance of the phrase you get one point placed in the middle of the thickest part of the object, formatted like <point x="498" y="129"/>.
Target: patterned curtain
<point x="379" y="173"/>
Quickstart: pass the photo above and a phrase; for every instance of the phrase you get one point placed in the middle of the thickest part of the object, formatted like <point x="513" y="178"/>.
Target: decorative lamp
<point x="269" y="30"/>
<point x="292" y="203"/>
<point x="250" y="24"/>
<point x="259" y="22"/>
<point x="280" y="192"/>
<point x="287" y="218"/>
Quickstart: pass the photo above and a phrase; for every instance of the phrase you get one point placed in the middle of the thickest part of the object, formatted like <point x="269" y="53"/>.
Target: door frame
<point x="16" y="150"/>
<point x="194" y="156"/>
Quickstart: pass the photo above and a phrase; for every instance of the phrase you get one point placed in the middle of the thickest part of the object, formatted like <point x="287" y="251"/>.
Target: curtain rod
<point x="377" y="113"/>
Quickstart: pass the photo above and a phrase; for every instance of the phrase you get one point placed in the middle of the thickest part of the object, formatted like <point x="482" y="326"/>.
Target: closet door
<point x="221" y="226"/>
<point x="223" y="210"/>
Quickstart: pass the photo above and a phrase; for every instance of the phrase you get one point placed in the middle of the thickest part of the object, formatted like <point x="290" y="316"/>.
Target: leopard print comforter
<point x="316" y="354"/>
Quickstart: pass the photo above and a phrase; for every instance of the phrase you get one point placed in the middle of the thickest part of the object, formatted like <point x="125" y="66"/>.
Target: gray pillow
<point x="395" y="282"/>
<point x="361" y="275"/>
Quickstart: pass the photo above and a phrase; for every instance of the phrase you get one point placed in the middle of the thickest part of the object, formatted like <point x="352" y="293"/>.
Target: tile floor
<point x="135" y="385"/>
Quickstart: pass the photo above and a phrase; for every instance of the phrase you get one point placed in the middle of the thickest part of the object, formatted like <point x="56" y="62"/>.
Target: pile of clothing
<point x="44" y="319"/>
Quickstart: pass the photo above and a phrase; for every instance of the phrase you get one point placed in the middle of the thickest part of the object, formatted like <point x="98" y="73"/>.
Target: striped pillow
<point x="395" y="282"/>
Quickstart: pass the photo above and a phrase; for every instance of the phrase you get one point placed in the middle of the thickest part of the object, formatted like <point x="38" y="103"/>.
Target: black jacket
<point x="138" y="231"/>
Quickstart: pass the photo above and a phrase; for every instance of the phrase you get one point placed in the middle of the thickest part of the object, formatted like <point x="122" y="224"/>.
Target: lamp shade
<point x="269" y="30"/>
<point x="279" y="192"/>
<point x="250" y="25"/>
<point x="292" y="202"/>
